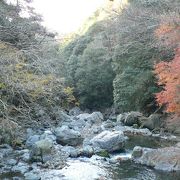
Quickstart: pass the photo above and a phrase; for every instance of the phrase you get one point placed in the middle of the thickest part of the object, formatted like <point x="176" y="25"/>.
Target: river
<point x="99" y="168"/>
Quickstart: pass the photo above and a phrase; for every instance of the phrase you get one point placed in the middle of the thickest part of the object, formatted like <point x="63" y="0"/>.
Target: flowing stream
<point x="99" y="168"/>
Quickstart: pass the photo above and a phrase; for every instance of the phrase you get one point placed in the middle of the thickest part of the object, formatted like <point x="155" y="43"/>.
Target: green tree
<point x="135" y="54"/>
<point x="94" y="79"/>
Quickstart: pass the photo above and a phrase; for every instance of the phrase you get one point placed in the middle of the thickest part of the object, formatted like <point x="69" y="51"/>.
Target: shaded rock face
<point x="87" y="151"/>
<point x="136" y="119"/>
<point x="173" y="124"/>
<point x="121" y="118"/>
<point x="109" y="141"/>
<point x="153" y="121"/>
<point x="75" y="111"/>
<point x="107" y="125"/>
<point x="167" y="159"/>
<point x="129" y="119"/>
<point x="67" y="136"/>
<point x="137" y="152"/>
<point x="132" y="118"/>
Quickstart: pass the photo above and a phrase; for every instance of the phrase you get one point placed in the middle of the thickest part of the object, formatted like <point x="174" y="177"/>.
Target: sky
<point x="65" y="16"/>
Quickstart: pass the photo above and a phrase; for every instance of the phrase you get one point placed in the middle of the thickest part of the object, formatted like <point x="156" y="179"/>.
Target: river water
<point x="98" y="168"/>
<point x="79" y="170"/>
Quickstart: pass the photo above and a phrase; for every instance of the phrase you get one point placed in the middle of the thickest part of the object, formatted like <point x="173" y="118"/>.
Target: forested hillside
<point x="100" y="103"/>
<point x="31" y="67"/>
<point x="125" y="56"/>
<point x="113" y="61"/>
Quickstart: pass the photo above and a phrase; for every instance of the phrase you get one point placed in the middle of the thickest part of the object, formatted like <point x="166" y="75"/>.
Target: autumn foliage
<point x="168" y="73"/>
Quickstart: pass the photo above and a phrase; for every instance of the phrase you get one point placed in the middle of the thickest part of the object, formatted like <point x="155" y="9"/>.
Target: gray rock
<point x="121" y="118"/>
<point x="87" y="151"/>
<point x="131" y="131"/>
<point x="167" y="159"/>
<point x="31" y="176"/>
<point x="48" y="135"/>
<point x="32" y="140"/>
<point x="5" y="150"/>
<point x="113" y="117"/>
<point x="153" y="121"/>
<point x="60" y="116"/>
<point x="108" y="124"/>
<point x="109" y="141"/>
<point x="83" y="116"/>
<point x="26" y="157"/>
<point x="29" y="132"/>
<point x="75" y="111"/>
<point x="49" y="155"/>
<point x="21" y="168"/>
<point x="71" y="151"/>
<point x="137" y="152"/>
<point x="132" y="118"/>
<point x="95" y="117"/>
<point x="11" y="162"/>
<point x="87" y="141"/>
<point x="17" y="178"/>
<point x="173" y="125"/>
<point x="97" y="130"/>
<point x="67" y="136"/>
<point x="77" y="124"/>
<point x="178" y="145"/>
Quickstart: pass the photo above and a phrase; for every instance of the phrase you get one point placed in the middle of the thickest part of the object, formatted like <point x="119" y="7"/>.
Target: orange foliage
<point x="169" y="33"/>
<point x="168" y="74"/>
<point x="164" y="29"/>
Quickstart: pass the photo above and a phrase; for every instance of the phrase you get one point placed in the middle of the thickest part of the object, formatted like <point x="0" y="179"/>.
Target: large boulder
<point x="60" y="116"/>
<point x="66" y="136"/>
<point x="127" y="130"/>
<point x="167" y="159"/>
<point x="132" y="118"/>
<point x="32" y="140"/>
<point x="121" y="117"/>
<point x="109" y="141"/>
<point x="87" y="151"/>
<point x="173" y="124"/>
<point x="108" y="125"/>
<point x="77" y="124"/>
<point x="154" y="121"/>
<point x="45" y="152"/>
<point x="95" y="117"/>
<point x="48" y="135"/>
<point x="70" y="151"/>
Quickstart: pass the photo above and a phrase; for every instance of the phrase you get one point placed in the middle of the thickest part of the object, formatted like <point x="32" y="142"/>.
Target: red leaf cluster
<point x="169" y="33"/>
<point x="168" y="74"/>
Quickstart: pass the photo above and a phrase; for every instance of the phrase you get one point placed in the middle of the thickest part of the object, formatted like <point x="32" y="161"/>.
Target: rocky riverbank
<point x="47" y="152"/>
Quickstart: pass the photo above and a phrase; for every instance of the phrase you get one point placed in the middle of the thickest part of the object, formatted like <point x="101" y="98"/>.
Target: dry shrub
<point x="10" y="132"/>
